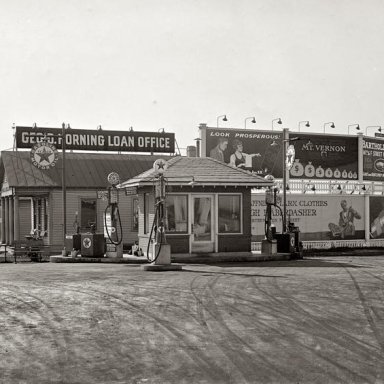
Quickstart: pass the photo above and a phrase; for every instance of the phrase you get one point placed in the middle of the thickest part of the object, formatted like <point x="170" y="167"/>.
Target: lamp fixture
<point x="357" y="127"/>
<point x="306" y="124"/>
<point x="99" y="128"/>
<point x="278" y="120"/>
<point x="130" y="129"/>
<point x="373" y="126"/>
<point x="34" y="125"/>
<point x="252" y="121"/>
<point x="331" y="124"/>
<point x="224" y="118"/>
<point x="161" y="130"/>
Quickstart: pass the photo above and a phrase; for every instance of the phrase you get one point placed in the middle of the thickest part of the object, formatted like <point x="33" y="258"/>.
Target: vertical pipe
<point x="10" y="214"/>
<point x="2" y="220"/>
<point x="16" y="218"/>
<point x="6" y="219"/>
<point x="360" y="157"/>
<point x="367" y="219"/>
<point x="64" y="252"/>
<point x="285" y="142"/>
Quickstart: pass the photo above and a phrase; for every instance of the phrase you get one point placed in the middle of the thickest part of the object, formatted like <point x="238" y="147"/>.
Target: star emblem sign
<point x="44" y="155"/>
<point x="160" y="165"/>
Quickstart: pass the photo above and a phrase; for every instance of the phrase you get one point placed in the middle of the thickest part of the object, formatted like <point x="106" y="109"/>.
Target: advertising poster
<point x="376" y="217"/>
<point x="324" y="157"/>
<point x="373" y="159"/>
<point x="339" y="217"/>
<point x="259" y="152"/>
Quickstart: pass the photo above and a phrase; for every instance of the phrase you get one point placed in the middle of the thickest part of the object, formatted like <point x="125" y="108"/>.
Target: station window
<point x="177" y="217"/>
<point x="39" y="217"/>
<point x="229" y="213"/>
<point x="88" y="214"/>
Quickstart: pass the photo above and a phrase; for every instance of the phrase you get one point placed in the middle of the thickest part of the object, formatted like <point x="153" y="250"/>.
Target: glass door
<point x="202" y="224"/>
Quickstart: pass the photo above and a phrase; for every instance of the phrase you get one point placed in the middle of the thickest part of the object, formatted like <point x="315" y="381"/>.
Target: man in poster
<point x="346" y="227"/>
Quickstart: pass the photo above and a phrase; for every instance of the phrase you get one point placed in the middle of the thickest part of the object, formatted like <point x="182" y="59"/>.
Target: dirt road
<point x="305" y="321"/>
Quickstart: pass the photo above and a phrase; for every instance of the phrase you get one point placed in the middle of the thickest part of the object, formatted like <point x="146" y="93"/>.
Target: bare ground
<point x="306" y="321"/>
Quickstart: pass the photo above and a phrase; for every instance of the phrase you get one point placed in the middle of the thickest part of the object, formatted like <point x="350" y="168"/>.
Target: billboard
<point x="318" y="217"/>
<point x="376" y="217"/>
<point x="259" y="152"/>
<point x="324" y="157"/>
<point x="98" y="140"/>
<point x="373" y="159"/>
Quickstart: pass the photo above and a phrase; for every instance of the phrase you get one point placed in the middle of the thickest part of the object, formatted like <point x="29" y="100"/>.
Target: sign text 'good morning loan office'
<point x="97" y="140"/>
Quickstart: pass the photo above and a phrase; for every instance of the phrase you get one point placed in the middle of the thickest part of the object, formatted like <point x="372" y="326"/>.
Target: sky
<point x="174" y="64"/>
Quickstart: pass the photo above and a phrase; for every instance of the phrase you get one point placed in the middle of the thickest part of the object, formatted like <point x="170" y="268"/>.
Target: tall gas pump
<point x="113" y="230"/>
<point x="160" y="255"/>
<point x="269" y="244"/>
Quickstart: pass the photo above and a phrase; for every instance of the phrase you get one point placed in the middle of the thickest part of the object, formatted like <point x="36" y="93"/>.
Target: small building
<point x="208" y="205"/>
<point x="32" y="198"/>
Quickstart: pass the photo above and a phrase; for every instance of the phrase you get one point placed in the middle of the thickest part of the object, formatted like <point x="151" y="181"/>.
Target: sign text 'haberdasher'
<point x="97" y="140"/>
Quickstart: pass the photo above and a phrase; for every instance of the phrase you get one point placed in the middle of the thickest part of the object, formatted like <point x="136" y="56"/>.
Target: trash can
<point x="73" y="242"/>
<point x="92" y="245"/>
<point x="285" y="242"/>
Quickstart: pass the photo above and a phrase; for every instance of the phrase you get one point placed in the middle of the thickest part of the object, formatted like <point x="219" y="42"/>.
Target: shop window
<point x="176" y="213"/>
<point x="88" y="214"/>
<point x="229" y="213"/>
<point x="39" y="217"/>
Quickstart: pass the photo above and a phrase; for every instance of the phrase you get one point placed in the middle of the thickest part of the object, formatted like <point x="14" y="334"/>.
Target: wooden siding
<point x="73" y="204"/>
<point x="25" y="218"/>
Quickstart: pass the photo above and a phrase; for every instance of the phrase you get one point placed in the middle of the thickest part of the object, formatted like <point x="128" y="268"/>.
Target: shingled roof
<point x="200" y="171"/>
<point x="83" y="170"/>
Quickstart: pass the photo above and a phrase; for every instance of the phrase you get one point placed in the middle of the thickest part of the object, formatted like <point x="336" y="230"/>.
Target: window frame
<point x="240" y="231"/>
<point x="89" y="199"/>
<point x="187" y="218"/>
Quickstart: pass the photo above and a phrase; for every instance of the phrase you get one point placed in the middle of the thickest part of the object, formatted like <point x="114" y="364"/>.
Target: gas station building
<point x="31" y="198"/>
<point x="208" y="205"/>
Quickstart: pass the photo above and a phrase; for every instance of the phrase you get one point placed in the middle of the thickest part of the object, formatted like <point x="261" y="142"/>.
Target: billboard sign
<point x="376" y="217"/>
<point x="318" y="217"/>
<point x="259" y="152"/>
<point x="325" y="157"/>
<point x="373" y="159"/>
<point x="97" y="140"/>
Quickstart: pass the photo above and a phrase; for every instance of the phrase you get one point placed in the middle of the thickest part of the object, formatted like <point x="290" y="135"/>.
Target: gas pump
<point x="269" y="244"/>
<point x="161" y="252"/>
<point x="286" y="242"/>
<point x="160" y="257"/>
<point x="112" y="221"/>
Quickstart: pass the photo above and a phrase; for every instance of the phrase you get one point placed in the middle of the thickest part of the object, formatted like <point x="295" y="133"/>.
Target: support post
<point x="64" y="190"/>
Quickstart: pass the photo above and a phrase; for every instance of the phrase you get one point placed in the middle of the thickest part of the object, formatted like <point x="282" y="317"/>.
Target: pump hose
<point x="150" y="238"/>
<point x="119" y="239"/>
<point x="265" y="224"/>
<point x="282" y="218"/>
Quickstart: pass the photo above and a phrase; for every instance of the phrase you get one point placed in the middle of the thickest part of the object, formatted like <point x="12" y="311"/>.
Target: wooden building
<point x="32" y="198"/>
<point x="208" y="205"/>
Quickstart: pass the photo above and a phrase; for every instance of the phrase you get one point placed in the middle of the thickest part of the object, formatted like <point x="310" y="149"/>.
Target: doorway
<point x="202" y="220"/>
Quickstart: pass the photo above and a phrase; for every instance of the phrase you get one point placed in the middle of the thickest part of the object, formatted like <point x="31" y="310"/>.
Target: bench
<point x="34" y="250"/>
